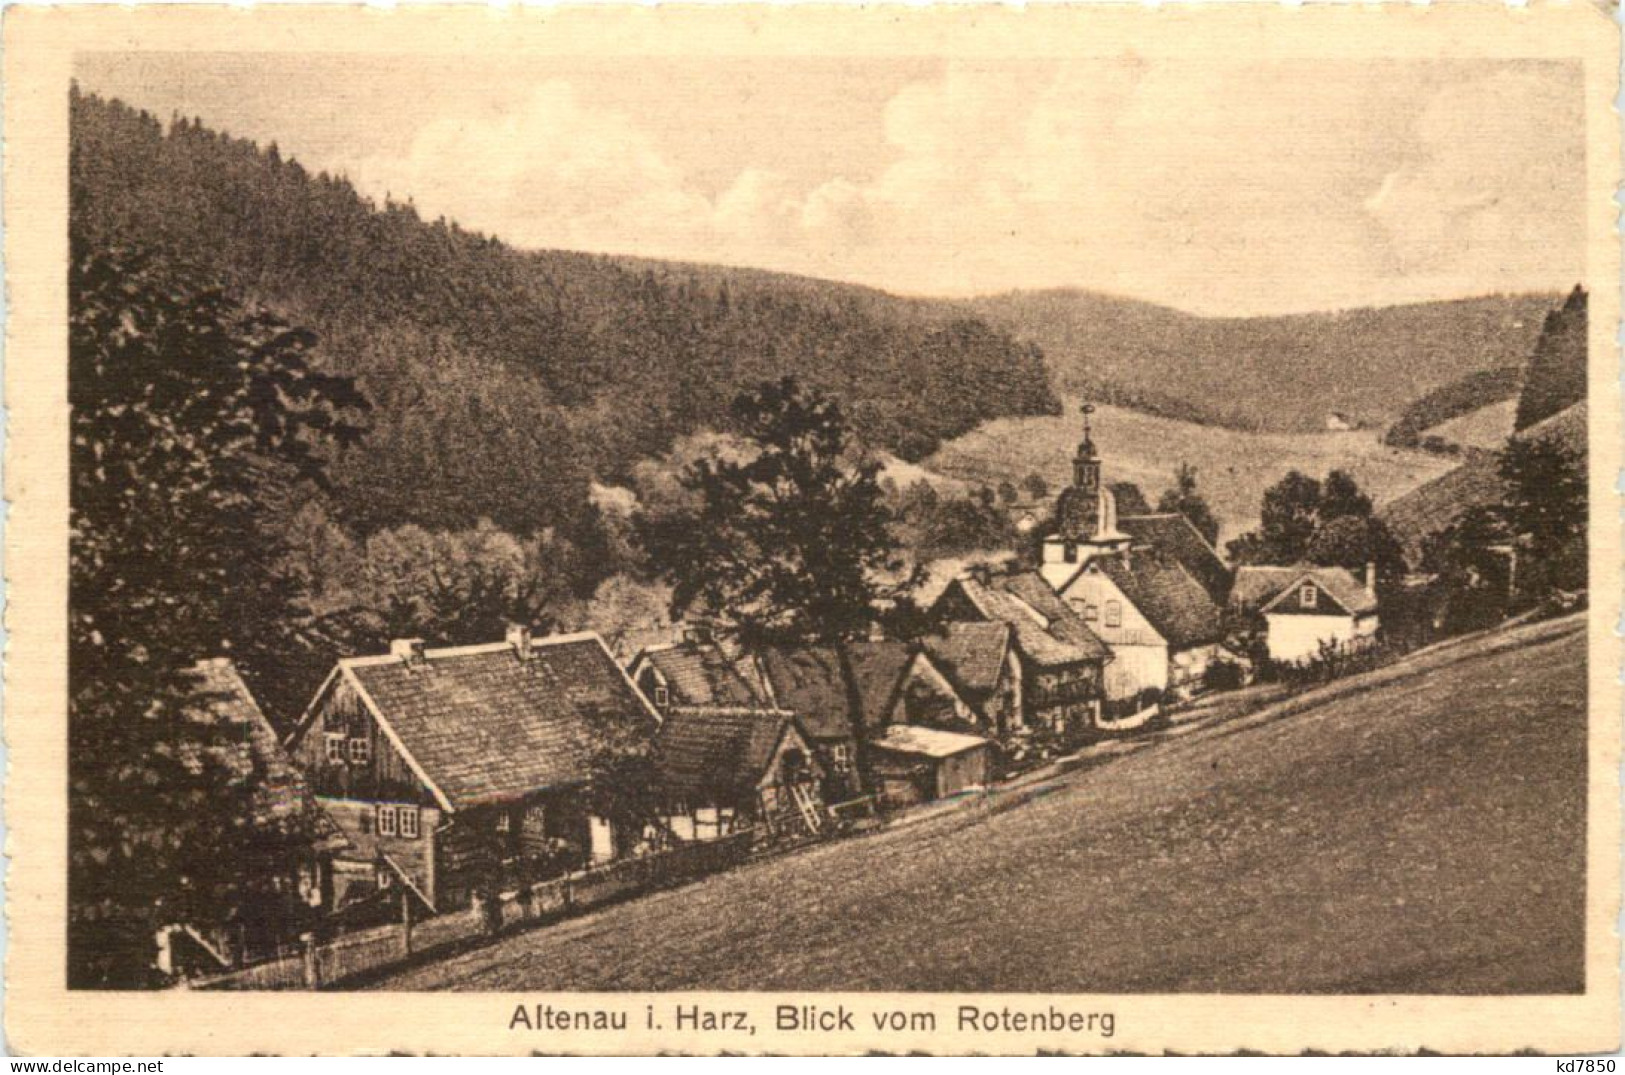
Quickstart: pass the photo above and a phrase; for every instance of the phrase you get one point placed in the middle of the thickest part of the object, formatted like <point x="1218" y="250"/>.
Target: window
<point x="662" y="697"/>
<point x="503" y="822"/>
<point x="408" y="819"/>
<point x="1091" y="613"/>
<point x="335" y="749"/>
<point x="1070" y="553"/>
<point x="386" y="821"/>
<point x="840" y="756"/>
<point x="386" y="878"/>
<point x="1308" y="597"/>
<point x="1114" y="613"/>
<point x="359" y="752"/>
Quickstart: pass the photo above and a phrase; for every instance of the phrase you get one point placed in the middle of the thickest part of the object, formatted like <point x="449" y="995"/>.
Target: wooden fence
<point x="382" y="948"/>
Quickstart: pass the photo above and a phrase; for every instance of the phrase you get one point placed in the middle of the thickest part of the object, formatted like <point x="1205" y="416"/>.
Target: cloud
<point x="1234" y="187"/>
<point x="1496" y="179"/>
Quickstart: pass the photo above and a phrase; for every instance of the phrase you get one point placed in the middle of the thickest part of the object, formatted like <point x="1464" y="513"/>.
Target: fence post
<point x="313" y="971"/>
<point x="406" y="923"/>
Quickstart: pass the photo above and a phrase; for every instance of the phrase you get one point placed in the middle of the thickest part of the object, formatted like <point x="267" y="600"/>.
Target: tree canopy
<point x="194" y="421"/>
<point x="792" y="543"/>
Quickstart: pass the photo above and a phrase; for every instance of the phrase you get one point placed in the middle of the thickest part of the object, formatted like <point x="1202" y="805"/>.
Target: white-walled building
<point x="1305" y="607"/>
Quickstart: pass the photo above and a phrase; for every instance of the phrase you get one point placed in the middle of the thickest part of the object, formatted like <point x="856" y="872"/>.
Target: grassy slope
<point x="1487" y="428"/>
<point x="1426" y="836"/>
<point x="1234" y="467"/>
<point x="1277" y="373"/>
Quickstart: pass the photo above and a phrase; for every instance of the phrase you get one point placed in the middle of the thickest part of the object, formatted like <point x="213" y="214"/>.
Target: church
<point x="1149" y="585"/>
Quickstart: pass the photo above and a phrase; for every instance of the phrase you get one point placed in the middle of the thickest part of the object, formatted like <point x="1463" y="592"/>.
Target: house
<point x="844" y="693"/>
<point x="693" y="672"/>
<point x="452" y="770"/>
<point x="1059" y="660"/>
<point x="980" y="658"/>
<point x="1162" y="627"/>
<point x="1307" y="607"/>
<point x="912" y="764"/>
<point x="284" y="817"/>
<point x="1173" y="536"/>
<point x="725" y="768"/>
<point x="1148" y="586"/>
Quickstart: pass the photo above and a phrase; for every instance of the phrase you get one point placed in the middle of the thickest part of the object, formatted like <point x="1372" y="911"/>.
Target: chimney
<point x="1371" y="578"/>
<point x="519" y="639"/>
<point x="409" y="650"/>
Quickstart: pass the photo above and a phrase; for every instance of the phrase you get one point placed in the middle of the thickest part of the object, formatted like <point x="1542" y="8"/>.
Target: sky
<point x="1222" y="186"/>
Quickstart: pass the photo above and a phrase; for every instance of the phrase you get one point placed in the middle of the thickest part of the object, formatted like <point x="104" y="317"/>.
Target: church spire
<point x="1086" y="464"/>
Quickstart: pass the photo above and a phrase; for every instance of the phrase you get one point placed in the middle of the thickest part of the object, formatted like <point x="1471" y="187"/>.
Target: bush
<point x="1223" y="676"/>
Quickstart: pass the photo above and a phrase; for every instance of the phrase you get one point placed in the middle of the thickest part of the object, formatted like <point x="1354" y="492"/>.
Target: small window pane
<point x="1310" y="597"/>
<point x="358" y="751"/>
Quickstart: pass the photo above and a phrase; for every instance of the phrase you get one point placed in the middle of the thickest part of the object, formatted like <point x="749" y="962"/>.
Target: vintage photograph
<point x="842" y="522"/>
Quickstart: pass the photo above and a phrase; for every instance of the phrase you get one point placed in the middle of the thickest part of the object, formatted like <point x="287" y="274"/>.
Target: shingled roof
<point x="1260" y="587"/>
<point x="1172" y="535"/>
<point x="1168" y="596"/>
<point x="482" y="724"/>
<point x="252" y="750"/>
<point x="1048" y="630"/>
<point x="971" y="655"/>
<point x="698" y="673"/>
<point x="717" y="749"/>
<point x="837" y="691"/>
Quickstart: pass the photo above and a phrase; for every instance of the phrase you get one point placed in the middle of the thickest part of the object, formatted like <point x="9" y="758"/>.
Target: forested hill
<point x="502" y="380"/>
<point x="1281" y="374"/>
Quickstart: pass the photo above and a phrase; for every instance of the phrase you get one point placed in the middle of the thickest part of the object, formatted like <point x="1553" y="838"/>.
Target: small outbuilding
<point x="913" y="764"/>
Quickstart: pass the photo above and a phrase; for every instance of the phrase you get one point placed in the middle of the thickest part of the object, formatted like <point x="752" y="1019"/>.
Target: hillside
<point x="1282" y="374"/>
<point x="1233" y="467"/>
<point x="1422" y="835"/>
<point x="504" y="380"/>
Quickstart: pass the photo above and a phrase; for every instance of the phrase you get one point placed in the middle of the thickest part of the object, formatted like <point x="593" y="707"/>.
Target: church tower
<point x="1085" y="515"/>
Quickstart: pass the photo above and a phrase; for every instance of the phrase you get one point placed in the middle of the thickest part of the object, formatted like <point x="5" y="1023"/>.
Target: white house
<point x="1161" y="626"/>
<point x="1306" y="607"/>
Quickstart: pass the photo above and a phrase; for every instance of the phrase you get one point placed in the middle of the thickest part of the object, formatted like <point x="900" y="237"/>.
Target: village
<point x="457" y="784"/>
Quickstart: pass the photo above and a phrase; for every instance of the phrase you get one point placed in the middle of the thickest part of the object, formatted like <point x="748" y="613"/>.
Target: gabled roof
<point x="1338" y="583"/>
<point x="478" y="724"/>
<point x="1258" y="585"/>
<point x="838" y="690"/>
<point x="1048" y="630"/>
<point x="927" y="742"/>
<point x="971" y="655"/>
<point x="1167" y="595"/>
<point x="1172" y="535"/>
<point x="718" y="749"/>
<point x="280" y="794"/>
<point x="697" y="673"/>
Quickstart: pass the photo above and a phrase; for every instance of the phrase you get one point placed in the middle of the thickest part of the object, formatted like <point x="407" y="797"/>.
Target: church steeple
<point x="1086" y="464"/>
<point x="1085" y="515"/>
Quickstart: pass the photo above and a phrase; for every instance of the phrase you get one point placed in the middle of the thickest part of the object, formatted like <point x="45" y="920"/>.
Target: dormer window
<point x="1308" y="596"/>
<point x="662" y="697"/>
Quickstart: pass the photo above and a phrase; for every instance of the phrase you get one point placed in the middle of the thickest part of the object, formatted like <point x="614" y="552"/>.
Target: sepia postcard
<point x="812" y="530"/>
